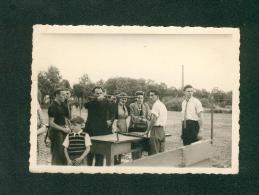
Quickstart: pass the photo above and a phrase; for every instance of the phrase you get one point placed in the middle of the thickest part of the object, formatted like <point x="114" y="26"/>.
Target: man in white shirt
<point x="157" y="124"/>
<point x="191" y="117"/>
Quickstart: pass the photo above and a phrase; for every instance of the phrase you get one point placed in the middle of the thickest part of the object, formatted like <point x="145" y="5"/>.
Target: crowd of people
<point x="70" y="135"/>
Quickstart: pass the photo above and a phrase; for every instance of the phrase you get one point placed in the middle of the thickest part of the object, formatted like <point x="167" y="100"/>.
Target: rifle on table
<point x="135" y="134"/>
<point x="110" y="96"/>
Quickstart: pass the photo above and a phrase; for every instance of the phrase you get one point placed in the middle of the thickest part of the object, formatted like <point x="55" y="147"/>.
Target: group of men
<point x="100" y="118"/>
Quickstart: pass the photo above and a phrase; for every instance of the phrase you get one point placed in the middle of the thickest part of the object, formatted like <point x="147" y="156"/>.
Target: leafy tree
<point x="87" y="90"/>
<point x="49" y="81"/>
<point x="218" y="96"/>
<point x="228" y="97"/>
<point x="162" y="89"/>
<point x="172" y="91"/>
<point x="86" y="86"/>
<point x="100" y="83"/>
<point x="174" y="104"/>
<point x="201" y="93"/>
<point x="43" y="84"/>
<point x="122" y="84"/>
<point x="117" y="85"/>
<point x="65" y="84"/>
<point x="205" y="102"/>
<point x="84" y="80"/>
<point x="78" y="90"/>
<point x="53" y="75"/>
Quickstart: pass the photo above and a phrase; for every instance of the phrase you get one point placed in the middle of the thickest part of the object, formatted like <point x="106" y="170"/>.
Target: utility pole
<point x="182" y="76"/>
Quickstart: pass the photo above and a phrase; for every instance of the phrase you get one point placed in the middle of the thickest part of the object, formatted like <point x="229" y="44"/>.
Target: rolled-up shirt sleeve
<point x="155" y="110"/>
<point x="199" y="107"/>
<point x="87" y="141"/>
<point x="66" y="142"/>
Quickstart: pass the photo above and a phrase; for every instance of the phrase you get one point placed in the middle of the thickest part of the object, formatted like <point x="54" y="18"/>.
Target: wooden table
<point x="108" y="145"/>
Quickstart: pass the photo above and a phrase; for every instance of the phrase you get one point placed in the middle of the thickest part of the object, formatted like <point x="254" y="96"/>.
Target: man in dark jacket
<point x="99" y="120"/>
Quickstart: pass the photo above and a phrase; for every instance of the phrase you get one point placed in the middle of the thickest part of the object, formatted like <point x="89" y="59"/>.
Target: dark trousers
<point x="57" y="149"/>
<point x="117" y="159"/>
<point x="157" y="140"/>
<point x="190" y="133"/>
<point x="137" y="154"/>
<point x="98" y="159"/>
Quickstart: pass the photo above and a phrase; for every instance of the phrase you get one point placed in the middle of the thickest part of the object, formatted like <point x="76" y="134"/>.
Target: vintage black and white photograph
<point x="134" y="99"/>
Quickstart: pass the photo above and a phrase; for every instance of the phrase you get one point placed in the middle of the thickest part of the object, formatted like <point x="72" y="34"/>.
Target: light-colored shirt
<point x="87" y="140"/>
<point x="194" y="107"/>
<point x="39" y="116"/>
<point x="160" y="111"/>
<point x="38" y="106"/>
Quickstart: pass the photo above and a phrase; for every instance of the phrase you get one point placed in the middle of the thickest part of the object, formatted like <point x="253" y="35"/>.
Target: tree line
<point x="51" y="79"/>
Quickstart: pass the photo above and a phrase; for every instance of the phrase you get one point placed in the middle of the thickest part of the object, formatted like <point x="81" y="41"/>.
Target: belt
<point x="191" y="120"/>
<point x="158" y="126"/>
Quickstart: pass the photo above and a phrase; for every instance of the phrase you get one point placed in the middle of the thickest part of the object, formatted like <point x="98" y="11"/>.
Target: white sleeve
<point x="66" y="142"/>
<point x="183" y="107"/>
<point x="199" y="106"/>
<point x="38" y="106"/>
<point x="87" y="141"/>
<point x="155" y="110"/>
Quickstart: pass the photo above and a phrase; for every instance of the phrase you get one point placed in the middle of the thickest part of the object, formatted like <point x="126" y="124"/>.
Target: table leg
<point x="109" y="156"/>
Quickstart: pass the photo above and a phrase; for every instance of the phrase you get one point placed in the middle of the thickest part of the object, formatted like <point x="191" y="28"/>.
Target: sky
<point x="207" y="59"/>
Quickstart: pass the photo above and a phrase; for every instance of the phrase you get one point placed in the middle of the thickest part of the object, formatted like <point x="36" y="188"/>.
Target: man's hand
<point x="66" y="130"/>
<point x="147" y="133"/>
<point x="199" y="134"/>
<point x="77" y="161"/>
<point x="100" y="97"/>
<point x="109" y="123"/>
<point x="114" y="126"/>
<point x="143" y="120"/>
<point x="69" y="162"/>
<point x="114" y="129"/>
<point x="200" y="129"/>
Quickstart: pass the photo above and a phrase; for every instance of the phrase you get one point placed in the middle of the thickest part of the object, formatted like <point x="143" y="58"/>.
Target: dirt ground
<point x="221" y="141"/>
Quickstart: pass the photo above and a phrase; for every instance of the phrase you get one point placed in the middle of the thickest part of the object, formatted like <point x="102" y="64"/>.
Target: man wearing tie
<point x="191" y="117"/>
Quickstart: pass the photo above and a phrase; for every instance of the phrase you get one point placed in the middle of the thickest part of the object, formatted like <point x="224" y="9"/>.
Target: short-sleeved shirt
<point x="160" y="111"/>
<point x="194" y="107"/>
<point x="87" y="140"/>
<point x="67" y="108"/>
<point x="58" y="112"/>
<point x="98" y="114"/>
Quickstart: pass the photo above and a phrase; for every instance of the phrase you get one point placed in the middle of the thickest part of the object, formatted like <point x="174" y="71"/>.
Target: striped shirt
<point x="76" y="144"/>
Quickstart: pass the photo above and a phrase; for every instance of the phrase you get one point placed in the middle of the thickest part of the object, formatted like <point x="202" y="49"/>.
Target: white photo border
<point x="56" y="29"/>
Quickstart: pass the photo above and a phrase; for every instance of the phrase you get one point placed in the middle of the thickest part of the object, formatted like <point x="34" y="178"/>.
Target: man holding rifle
<point x="99" y="120"/>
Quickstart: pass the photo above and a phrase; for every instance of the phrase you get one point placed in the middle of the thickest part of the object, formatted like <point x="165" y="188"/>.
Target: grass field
<point x="221" y="142"/>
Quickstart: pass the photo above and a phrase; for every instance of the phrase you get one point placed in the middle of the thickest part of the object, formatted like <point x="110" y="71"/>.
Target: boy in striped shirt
<point x="77" y="143"/>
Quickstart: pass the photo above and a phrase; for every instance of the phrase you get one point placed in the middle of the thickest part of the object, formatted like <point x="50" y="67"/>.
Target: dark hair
<point x="154" y="91"/>
<point x="122" y="95"/>
<point x="77" y="120"/>
<point x="186" y="87"/>
<point x="97" y="87"/>
<point x="57" y="91"/>
<point x="139" y="93"/>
